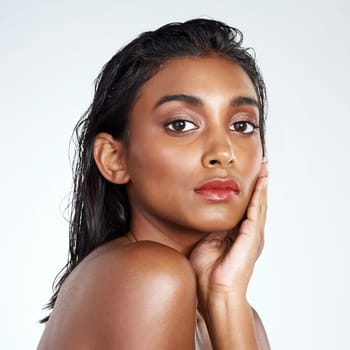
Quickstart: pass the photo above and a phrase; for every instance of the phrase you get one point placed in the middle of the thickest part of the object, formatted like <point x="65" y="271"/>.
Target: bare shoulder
<point x="143" y="262"/>
<point x="141" y="295"/>
<point x="260" y="332"/>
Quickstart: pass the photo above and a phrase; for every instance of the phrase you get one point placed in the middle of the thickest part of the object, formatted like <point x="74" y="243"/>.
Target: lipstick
<point x="218" y="190"/>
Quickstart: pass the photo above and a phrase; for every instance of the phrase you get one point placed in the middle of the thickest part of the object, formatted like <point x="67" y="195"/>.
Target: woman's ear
<point x="109" y="155"/>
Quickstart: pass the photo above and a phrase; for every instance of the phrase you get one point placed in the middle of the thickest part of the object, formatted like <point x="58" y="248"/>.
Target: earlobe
<point x="109" y="156"/>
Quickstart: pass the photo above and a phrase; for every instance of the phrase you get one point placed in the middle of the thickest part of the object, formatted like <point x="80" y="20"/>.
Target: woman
<point x="169" y="199"/>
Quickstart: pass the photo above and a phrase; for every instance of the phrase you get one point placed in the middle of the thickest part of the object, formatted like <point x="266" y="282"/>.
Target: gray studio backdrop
<point x="50" y="54"/>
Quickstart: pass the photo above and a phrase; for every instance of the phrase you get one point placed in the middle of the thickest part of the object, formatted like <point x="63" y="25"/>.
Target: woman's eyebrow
<point x="192" y="100"/>
<point x="242" y="100"/>
<point x="196" y="101"/>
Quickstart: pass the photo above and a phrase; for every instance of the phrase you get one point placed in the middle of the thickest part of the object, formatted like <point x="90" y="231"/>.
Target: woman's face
<point x="194" y="152"/>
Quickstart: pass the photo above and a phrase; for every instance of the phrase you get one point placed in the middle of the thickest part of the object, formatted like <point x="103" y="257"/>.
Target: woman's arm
<point x="224" y="264"/>
<point x="236" y="326"/>
<point x="141" y="296"/>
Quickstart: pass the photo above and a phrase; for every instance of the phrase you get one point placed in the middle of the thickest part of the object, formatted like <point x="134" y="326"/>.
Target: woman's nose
<point x="218" y="152"/>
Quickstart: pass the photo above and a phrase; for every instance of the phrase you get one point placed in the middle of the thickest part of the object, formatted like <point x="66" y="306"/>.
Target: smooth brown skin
<point x="141" y="291"/>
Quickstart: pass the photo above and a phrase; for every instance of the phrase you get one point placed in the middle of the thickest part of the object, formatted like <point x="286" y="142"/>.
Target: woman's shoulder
<point x="129" y="260"/>
<point x="135" y="267"/>
<point x="119" y="289"/>
<point x="132" y="263"/>
<point x="262" y="338"/>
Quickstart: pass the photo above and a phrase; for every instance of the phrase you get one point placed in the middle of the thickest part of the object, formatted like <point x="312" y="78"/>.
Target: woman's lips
<point x="218" y="190"/>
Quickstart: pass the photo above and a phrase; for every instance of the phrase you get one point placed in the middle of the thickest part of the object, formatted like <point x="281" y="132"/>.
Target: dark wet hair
<point x="99" y="209"/>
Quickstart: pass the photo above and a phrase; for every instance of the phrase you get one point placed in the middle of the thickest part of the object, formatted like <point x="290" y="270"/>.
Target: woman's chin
<point x="209" y="227"/>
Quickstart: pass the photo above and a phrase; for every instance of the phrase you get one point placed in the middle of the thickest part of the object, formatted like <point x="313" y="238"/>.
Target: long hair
<point x="99" y="209"/>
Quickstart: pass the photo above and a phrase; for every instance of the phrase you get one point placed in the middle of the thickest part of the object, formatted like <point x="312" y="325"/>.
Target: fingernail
<point x="264" y="169"/>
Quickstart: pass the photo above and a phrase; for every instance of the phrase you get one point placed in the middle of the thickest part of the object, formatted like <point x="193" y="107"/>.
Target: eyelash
<point x="170" y="125"/>
<point x="245" y="124"/>
<point x="239" y="124"/>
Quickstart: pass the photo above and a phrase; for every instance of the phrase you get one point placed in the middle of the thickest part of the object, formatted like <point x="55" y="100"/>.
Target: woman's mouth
<point x="218" y="190"/>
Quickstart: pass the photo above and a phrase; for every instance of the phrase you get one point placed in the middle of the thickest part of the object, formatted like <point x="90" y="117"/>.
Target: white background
<point x="50" y="54"/>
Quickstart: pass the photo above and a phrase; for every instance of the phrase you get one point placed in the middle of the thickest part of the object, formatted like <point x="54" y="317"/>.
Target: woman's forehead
<point x="198" y="76"/>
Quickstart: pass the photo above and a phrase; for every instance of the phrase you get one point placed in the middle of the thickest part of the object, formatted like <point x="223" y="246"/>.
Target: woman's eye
<point x="243" y="127"/>
<point x="181" y="125"/>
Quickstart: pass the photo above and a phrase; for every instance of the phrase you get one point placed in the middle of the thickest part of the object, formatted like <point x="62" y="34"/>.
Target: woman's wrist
<point x="230" y="322"/>
<point x="223" y="304"/>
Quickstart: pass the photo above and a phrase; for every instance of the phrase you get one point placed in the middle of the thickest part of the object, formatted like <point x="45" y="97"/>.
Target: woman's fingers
<point x="257" y="208"/>
<point x="228" y="258"/>
<point x="257" y="204"/>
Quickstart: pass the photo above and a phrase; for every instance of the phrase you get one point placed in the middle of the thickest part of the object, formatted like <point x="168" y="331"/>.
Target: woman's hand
<point x="224" y="262"/>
